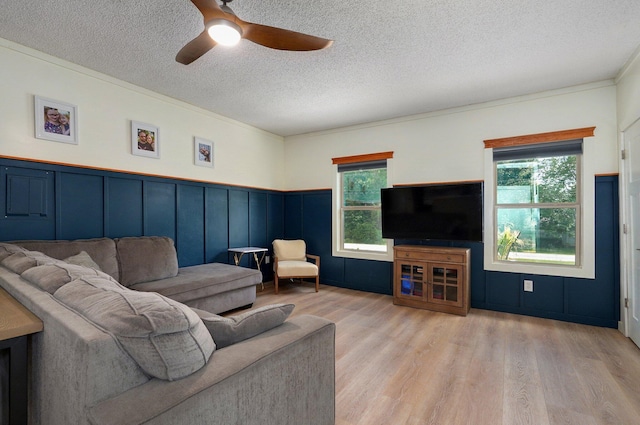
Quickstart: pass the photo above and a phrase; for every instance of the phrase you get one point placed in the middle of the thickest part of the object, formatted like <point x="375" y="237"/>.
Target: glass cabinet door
<point x="445" y="284"/>
<point x="411" y="280"/>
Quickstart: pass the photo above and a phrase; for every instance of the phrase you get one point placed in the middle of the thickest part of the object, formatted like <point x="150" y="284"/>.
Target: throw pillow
<point x="163" y="336"/>
<point x="83" y="259"/>
<point x="229" y="330"/>
<point x="51" y="277"/>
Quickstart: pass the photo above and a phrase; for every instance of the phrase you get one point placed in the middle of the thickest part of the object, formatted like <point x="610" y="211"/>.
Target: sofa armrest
<point x="285" y="375"/>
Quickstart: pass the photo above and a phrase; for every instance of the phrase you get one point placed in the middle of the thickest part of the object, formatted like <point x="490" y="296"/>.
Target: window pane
<point x="362" y="188"/>
<point x="363" y="230"/>
<point x="537" y="180"/>
<point x="539" y="235"/>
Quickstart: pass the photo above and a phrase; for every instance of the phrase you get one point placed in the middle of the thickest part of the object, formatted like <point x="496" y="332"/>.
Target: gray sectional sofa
<point x="150" y="263"/>
<point x="112" y="355"/>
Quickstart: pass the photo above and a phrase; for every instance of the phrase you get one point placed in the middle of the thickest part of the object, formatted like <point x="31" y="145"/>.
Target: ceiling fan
<point x="222" y="26"/>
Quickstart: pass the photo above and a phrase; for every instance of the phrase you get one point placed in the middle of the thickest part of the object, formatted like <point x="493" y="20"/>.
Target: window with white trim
<point x="537" y="203"/>
<point x="357" y="212"/>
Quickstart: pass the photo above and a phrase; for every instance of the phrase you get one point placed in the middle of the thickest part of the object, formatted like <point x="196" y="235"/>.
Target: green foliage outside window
<point x="537" y="201"/>
<point x="361" y="206"/>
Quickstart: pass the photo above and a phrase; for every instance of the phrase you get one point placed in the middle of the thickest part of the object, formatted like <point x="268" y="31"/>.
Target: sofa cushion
<point x="83" y="259"/>
<point x="101" y="250"/>
<point x="145" y="259"/>
<point x="50" y="277"/>
<point x="165" y="338"/>
<point x="21" y="261"/>
<point x="6" y="249"/>
<point x="230" y="330"/>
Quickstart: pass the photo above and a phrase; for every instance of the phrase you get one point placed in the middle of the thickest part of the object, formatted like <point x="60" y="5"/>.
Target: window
<point x="537" y="203"/>
<point x="357" y="216"/>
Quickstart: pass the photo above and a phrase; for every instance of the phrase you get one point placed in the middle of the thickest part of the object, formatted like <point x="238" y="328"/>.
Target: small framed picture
<point x="145" y="140"/>
<point x="56" y="121"/>
<point x="203" y="150"/>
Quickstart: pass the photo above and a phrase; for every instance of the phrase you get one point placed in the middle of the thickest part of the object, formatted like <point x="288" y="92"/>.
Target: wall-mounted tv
<point x="450" y="212"/>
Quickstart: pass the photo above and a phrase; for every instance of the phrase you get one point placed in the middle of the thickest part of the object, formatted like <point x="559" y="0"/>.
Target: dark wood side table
<point x="16" y="324"/>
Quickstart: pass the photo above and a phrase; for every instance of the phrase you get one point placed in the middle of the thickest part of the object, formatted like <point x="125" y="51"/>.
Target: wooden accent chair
<point x="290" y="260"/>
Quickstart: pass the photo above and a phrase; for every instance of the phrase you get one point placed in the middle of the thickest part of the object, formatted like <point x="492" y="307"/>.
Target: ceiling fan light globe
<point x="225" y="32"/>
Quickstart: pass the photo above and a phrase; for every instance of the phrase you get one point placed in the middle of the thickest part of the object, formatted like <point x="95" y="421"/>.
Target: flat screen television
<point x="450" y="212"/>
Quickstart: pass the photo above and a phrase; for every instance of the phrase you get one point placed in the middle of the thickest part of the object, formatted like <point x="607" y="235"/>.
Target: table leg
<point x="258" y="262"/>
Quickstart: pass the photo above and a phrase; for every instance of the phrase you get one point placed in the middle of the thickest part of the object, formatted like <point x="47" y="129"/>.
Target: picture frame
<point x="145" y="140"/>
<point x="203" y="152"/>
<point x="55" y="121"/>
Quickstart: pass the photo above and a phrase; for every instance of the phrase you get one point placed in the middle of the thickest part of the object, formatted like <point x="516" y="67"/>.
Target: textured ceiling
<point x="389" y="59"/>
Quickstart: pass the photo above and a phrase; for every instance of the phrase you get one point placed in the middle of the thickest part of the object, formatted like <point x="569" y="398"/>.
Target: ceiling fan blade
<point x="281" y="39"/>
<point x="209" y="9"/>
<point x="195" y="48"/>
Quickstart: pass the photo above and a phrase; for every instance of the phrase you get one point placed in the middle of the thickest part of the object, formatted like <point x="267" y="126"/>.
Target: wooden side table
<point x="16" y="324"/>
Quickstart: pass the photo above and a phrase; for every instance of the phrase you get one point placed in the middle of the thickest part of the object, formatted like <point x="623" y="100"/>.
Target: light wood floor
<point x="399" y="365"/>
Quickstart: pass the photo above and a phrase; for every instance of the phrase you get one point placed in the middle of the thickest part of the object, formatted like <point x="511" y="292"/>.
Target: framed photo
<point x="203" y="150"/>
<point x="145" y="140"/>
<point x="56" y="121"/>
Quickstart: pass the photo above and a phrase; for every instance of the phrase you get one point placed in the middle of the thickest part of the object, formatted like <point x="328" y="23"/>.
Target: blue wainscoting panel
<point x="216" y="225"/>
<point x="239" y="221"/>
<point x="370" y="276"/>
<point x="190" y="236"/>
<point x="316" y="231"/>
<point x="293" y="216"/>
<point x="503" y="290"/>
<point x="27" y="204"/>
<point x="160" y="209"/>
<point x="124" y="207"/>
<point x="275" y="218"/>
<point x="80" y="209"/>
<point x="258" y="219"/>
<point x="547" y="295"/>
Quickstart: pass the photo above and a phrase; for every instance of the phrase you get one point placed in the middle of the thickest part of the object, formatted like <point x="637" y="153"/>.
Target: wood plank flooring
<point x="398" y="365"/>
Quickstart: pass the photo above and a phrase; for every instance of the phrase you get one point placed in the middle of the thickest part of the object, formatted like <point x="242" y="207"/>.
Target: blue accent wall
<point x="46" y="201"/>
<point x="588" y="301"/>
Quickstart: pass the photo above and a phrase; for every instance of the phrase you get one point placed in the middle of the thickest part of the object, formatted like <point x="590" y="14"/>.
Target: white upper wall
<point x="448" y="145"/>
<point x="628" y="86"/>
<point x="435" y="147"/>
<point x="243" y="155"/>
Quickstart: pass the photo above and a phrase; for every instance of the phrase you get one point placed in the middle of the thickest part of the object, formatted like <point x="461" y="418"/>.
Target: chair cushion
<point x="166" y="338"/>
<point x="290" y="249"/>
<point x="230" y="330"/>
<point x="297" y="269"/>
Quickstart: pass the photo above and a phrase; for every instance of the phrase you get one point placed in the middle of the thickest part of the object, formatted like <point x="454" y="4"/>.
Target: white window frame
<point x="338" y="249"/>
<point x="586" y="267"/>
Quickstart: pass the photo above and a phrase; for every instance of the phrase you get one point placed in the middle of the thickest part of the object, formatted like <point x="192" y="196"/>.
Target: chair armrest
<point x="315" y="258"/>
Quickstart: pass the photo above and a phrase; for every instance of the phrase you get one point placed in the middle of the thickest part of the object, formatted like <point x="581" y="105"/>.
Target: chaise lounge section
<point x="149" y="263"/>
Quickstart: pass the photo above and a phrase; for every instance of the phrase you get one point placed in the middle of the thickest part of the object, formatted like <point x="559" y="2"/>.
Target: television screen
<point x="443" y="211"/>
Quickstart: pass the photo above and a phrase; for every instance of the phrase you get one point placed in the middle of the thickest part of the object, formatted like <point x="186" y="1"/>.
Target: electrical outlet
<point x="267" y="259"/>
<point x="528" y="285"/>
